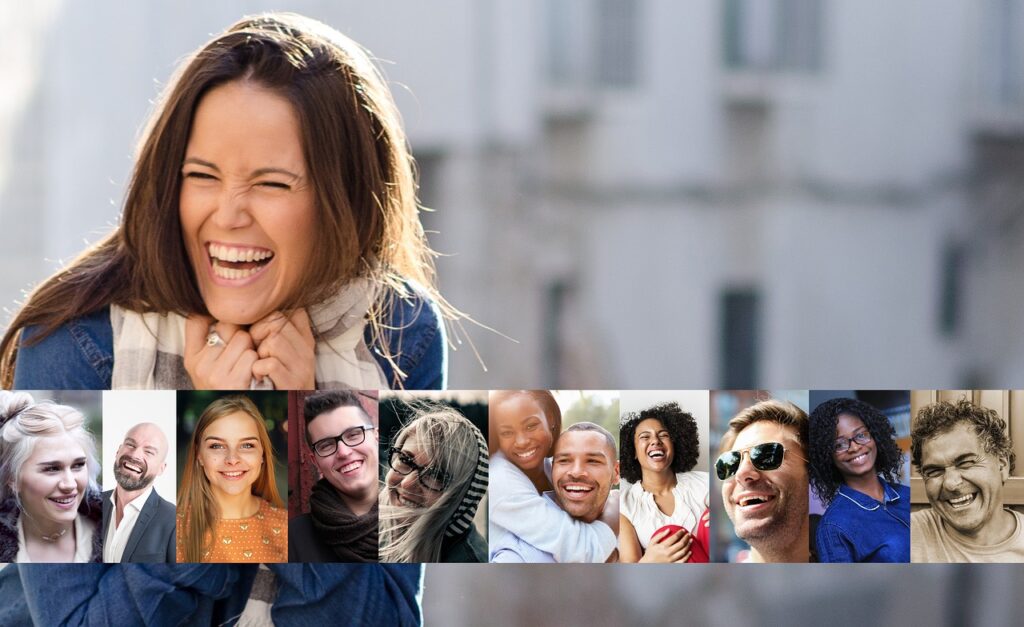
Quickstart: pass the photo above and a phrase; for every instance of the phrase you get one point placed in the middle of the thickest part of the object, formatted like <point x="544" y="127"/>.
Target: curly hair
<point x="682" y="431"/>
<point x="938" y="418"/>
<point x="825" y="478"/>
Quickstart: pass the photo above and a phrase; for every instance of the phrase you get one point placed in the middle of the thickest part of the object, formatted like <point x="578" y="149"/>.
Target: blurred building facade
<point x="643" y="193"/>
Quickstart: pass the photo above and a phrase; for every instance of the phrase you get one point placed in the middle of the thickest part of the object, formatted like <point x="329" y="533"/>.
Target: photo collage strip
<point x="514" y="476"/>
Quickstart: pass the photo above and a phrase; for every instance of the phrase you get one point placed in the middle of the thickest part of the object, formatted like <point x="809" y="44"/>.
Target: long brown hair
<point x="196" y="503"/>
<point x="359" y="165"/>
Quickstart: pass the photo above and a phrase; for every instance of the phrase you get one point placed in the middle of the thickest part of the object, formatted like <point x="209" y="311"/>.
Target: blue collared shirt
<point x="857" y="528"/>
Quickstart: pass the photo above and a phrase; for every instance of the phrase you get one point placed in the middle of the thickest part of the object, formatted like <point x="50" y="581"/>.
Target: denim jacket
<point x="80" y="354"/>
<point x="857" y="528"/>
<point x="206" y="594"/>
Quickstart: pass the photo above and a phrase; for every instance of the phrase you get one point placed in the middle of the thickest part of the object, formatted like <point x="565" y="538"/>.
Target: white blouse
<point x="638" y="506"/>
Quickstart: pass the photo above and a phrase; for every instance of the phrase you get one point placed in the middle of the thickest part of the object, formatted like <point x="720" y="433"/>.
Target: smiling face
<point x="407" y="490"/>
<point x="524" y="434"/>
<point x="963" y="481"/>
<point x="54" y="480"/>
<point x="768" y="507"/>
<point x="231" y="454"/>
<point x="583" y="470"/>
<point x="859" y="459"/>
<point x="247" y="206"/>
<point x="653" y="446"/>
<point x="352" y="470"/>
<point x="140" y="458"/>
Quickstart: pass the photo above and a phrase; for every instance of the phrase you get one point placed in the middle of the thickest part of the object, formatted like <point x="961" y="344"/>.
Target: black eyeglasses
<point x="843" y="444"/>
<point x="766" y="456"/>
<point x="351" y="437"/>
<point x="430" y="478"/>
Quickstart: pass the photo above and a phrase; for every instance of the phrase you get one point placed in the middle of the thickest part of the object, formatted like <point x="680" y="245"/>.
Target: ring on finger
<point x="214" y="339"/>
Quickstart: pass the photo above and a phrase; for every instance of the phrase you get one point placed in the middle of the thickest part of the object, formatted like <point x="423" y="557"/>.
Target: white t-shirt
<point x="929" y="542"/>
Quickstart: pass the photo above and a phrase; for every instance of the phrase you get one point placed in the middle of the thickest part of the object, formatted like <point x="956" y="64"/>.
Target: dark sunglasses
<point x="766" y="456"/>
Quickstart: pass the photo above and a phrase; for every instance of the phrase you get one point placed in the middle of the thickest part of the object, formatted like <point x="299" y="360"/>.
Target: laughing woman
<point x="228" y="506"/>
<point x="270" y="237"/>
<point x="663" y="509"/>
<point x="855" y="467"/>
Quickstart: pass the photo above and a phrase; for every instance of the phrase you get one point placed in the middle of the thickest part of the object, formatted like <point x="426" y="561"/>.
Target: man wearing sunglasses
<point x="763" y="471"/>
<point x="342" y="523"/>
<point x="965" y="457"/>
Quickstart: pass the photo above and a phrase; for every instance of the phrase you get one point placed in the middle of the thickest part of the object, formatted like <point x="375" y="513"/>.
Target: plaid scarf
<point x="149" y="348"/>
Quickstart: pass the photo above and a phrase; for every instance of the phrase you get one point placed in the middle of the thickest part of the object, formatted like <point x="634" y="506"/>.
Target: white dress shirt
<point x="118" y="534"/>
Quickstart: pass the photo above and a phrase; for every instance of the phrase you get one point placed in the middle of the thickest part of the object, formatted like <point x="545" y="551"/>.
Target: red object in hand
<point x="699" y="553"/>
<point x="665" y="532"/>
<point x="700" y="548"/>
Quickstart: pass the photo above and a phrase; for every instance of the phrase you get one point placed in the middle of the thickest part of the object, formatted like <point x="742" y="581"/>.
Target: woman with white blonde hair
<point x="50" y="507"/>
<point x="436" y="479"/>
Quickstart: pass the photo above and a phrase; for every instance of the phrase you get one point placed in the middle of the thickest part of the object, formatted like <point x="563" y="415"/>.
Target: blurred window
<point x="739" y="356"/>
<point x="592" y="43"/>
<point x="773" y="35"/>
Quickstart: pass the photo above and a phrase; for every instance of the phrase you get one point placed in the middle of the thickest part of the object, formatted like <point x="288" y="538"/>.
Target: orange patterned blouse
<point x="259" y="538"/>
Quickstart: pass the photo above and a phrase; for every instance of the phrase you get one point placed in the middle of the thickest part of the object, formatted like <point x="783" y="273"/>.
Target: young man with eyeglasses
<point x="763" y="471"/>
<point x="342" y="523"/>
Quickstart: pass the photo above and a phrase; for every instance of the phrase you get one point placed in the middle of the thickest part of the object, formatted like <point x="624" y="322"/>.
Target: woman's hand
<point x="668" y="547"/>
<point x="226" y="365"/>
<point x="286" y="349"/>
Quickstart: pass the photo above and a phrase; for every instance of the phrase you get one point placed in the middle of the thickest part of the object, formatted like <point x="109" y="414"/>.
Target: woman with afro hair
<point x="662" y="511"/>
<point x="854" y="470"/>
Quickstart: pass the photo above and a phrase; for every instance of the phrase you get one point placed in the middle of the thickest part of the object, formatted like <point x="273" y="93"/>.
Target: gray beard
<point x="130" y="483"/>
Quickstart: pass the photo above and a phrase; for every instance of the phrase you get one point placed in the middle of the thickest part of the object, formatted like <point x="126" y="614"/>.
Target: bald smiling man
<point x="138" y="525"/>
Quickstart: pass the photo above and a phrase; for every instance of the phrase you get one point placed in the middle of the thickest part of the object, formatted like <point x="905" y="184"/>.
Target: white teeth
<point x="962" y="500"/>
<point x="526" y="454"/>
<point x="352" y="466"/>
<point x="233" y="474"/>
<point x="234" y="253"/>
<point x="233" y="274"/>
<point x="64" y="501"/>
<point x="576" y="489"/>
<point x="406" y="502"/>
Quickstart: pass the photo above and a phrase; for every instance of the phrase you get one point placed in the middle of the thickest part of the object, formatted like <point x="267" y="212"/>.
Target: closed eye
<point x="275" y="185"/>
<point x="202" y="176"/>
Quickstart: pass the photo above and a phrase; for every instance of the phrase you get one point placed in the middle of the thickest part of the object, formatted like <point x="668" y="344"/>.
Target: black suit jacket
<point x="152" y="538"/>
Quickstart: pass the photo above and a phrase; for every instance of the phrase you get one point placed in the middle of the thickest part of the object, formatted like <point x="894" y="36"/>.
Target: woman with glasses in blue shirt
<point x="854" y="469"/>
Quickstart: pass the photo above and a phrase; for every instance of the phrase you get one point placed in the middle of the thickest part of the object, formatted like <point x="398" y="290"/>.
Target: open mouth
<point x="656" y="454"/>
<point x="754" y="500"/>
<point x="576" y="491"/>
<point x="406" y="502"/>
<point x="860" y="459"/>
<point x="131" y="466"/>
<point x="64" y="502"/>
<point x="960" y="502"/>
<point x="233" y="475"/>
<point x="526" y="454"/>
<point x="234" y="263"/>
<point x="350" y="467"/>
